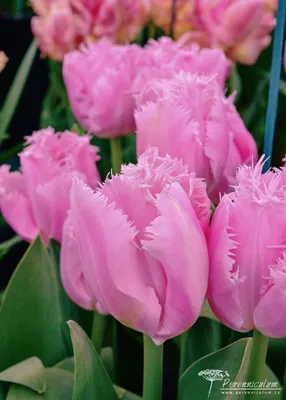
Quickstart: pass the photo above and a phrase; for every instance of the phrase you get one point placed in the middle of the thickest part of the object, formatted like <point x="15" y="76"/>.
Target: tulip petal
<point x="269" y="317"/>
<point x="72" y="276"/>
<point x="112" y="263"/>
<point x="178" y="243"/>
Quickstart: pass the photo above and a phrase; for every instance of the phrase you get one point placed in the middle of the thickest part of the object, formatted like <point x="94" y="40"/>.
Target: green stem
<point x="98" y="330"/>
<point x="153" y="370"/>
<point x="116" y="154"/>
<point x="183" y="352"/>
<point x="257" y="361"/>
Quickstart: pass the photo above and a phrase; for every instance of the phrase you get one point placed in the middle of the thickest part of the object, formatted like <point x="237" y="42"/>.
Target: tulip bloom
<point x="241" y="27"/>
<point x="188" y="117"/>
<point x="164" y="58"/>
<point x="99" y="83"/>
<point x="136" y="248"/>
<point x="247" y="283"/>
<point x="3" y="60"/>
<point x="36" y="200"/>
<point x="62" y="25"/>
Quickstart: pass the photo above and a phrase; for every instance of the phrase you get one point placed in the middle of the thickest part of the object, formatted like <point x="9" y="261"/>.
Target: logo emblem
<point x="213" y="375"/>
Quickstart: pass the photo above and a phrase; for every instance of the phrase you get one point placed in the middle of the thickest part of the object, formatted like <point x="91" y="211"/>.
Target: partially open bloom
<point x="99" y="83"/>
<point x="62" y="25"/>
<point x="247" y="287"/>
<point x="136" y="248"/>
<point x="3" y="60"/>
<point x="240" y="27"/>
<point x="35" y="200"/>
<point x="188" y="117"/>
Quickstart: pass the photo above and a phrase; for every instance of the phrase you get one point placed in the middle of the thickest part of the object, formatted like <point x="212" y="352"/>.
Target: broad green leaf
<point x="91" y="378"/>
<point x="211" y="375"/>
<point x="29" y="373"/>
<point x="31" y="315"/>
<point x="68" y="365"/>
<point x="16" y="89"/>
<point x="59" y="387"/>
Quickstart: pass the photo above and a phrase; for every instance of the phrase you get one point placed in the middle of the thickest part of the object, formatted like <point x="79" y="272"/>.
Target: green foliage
<point x="91" y="378"/>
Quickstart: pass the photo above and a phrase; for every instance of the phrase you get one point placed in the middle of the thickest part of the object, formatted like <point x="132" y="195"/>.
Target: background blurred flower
<point x="36" y="200"/>
<point x="136" y="248"/>
<point x="247" y="286"/>
<point x="240" y="27"/>
<point x="99" y="81"/>
<point x="62" y="25"/>
<point x="188" y="117"/>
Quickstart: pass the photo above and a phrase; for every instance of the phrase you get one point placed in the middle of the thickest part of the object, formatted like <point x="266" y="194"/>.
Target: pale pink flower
<point x="136" y="248"/>
<point x="62" y="25"/>
<point x="247" y="287"/>
<point x="188" y="117"/>
<point x="99" y="81"/>
<point x="3" y="60"/>
<point x="35" y="200"/>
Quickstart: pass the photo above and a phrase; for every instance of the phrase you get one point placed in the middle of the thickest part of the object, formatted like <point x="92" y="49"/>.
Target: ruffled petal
<point x="112" y="263"/>
<point x="177" y="242"/>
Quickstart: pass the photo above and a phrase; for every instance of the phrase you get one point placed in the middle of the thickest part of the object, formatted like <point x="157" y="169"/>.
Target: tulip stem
<point x="257" y="361"/>
<point x="116" y="154"/>
<point x="183" y="352"/>
<point x="153" y="370"/>
<point x="98" y="330"/>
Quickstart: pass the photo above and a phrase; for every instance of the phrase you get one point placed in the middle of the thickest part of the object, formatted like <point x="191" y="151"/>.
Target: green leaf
<point x="107" y="357"/>
<point x="16" y="89"/>
<point x="91" y="379"/>
<point x="31" y="317"/>
<point x="59" y="387"/>
<point x="123" y="394"/>
<point x="200" y="380"/>
<point x="29" y="373"/>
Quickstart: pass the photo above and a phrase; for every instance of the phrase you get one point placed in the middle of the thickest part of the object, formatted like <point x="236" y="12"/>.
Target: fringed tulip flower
<point x="35" y="200"/>
<point x="62" y="25"/>
<point x="247" y="287"/>
<point x="240" y="27"/>
<point x="165" y="57"/>
<point x="99" y="83"/>
<point x="188" y="117"/>
<point x="136" y="248"/>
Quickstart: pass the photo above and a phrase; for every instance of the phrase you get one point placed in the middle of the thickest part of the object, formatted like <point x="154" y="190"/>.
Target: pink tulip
<point x="240" y="27"/>
<point x="247" y="284"/>
<point x="188" y="117"/>
<point x="36" y="200"/>
<point x="99" y="83"/>
<point x="165" y="57"/>
<point x="62" y="25"/>
<point x="136" y="248"/>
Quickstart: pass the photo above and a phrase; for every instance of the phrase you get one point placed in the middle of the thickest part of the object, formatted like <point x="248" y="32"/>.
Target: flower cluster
<point x="62" y="25"/>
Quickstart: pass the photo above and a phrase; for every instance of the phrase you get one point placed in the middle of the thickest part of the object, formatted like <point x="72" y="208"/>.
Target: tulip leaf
<point x="31" y="314"/>
<point x="91" y="379"/>
<point x="29" y="373"/>
<point x="67" y="364"/>
<point x="59" y="387"/>
<point x="213" y="375"/>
